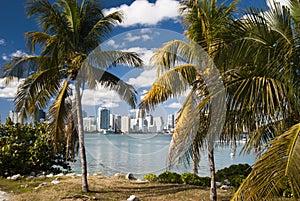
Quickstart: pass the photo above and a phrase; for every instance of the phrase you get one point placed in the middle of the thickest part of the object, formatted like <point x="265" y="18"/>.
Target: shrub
<point x="169" y="177"/>
<point x="190" y="178"/>
<point x="235" y="174"/>
<point x="150" y="177"/>
<point x="27" y="148"/>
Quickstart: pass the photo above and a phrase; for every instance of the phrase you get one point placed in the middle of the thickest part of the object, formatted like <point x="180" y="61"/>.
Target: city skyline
<point x="105" y="121"/>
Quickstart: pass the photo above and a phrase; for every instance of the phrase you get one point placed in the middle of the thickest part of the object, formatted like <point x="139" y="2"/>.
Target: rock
<point x="226" y="181"/>
<point x="60" y="175"/>
<point x="218" y="184"/>
<point x="3" y="196"/>
<point x="226" y="187"/>
<point x="130" y="176"/>
<point x="15" y="177"/>
<point x="42" y="184"/>
<point x="50" y="175"/>
<point x="133" y="198"/>
<point x="71" y="175"/>
<point x="119" y="176"/>
<point x="55" y="182"/>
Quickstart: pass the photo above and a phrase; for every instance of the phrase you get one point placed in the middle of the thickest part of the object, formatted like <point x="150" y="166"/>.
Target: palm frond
<point x="172" y="83"/>
<point x="111" y="58"/>
<point x="36" y="92"/>
<point x="188" y="129"/>
<point x="20" y="67"/>
<point x="280" y="160"/>
<point x="59" y="113"/>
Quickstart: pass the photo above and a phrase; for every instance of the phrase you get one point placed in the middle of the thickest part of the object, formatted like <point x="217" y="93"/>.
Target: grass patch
<point x="103" y="188"/>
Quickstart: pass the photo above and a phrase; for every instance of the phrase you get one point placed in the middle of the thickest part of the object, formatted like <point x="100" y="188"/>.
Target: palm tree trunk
<point x="213" y="189"/>
<point x="84" y="187"/>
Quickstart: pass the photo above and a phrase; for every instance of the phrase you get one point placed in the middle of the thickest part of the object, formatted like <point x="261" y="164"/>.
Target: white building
<point x="159" y="123"/>
<point x="90" y="124"/>
<point x="125" y="124"/>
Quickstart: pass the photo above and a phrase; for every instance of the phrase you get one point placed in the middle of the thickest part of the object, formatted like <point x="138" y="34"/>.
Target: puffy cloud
<point x="10" y="90"/>
<point x="143" y="12"/>
<point x="2" y="42"/>
<point x="145" y="79"/>
<point x="132" y="38"/>
<point x="113" y="44"/>
<point x="100" y="96"/>
<point x="17" y="53"/>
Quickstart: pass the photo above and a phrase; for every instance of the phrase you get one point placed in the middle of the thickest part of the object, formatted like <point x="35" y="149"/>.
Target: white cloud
<point x="129" y="37"/>
<point x="18" y="53"/>
<point x="5" y="57"/>
<point x="175" y="105"/>
<point x="2" y="42"/>
<point x="10" y="90"/>
<point x="101" y="96"/>
<point x="145" y="79"/>
<point x="113" y="44"/>
<point x="143" y="12"/>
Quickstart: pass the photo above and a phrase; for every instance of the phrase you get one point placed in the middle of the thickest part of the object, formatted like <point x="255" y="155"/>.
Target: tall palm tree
<point x="69" y="54"/>
<point x="206" y="23"/>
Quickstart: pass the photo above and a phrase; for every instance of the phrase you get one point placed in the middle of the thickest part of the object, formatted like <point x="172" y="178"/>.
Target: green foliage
<point x="150" y="177"/>
<point x="28" y="148"/>
<point x="235" y="174"/>
<point x="190" y="178"/>
<point x="169" y="177"/>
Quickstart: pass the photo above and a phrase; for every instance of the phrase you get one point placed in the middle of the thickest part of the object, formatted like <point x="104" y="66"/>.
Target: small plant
<point x="169" y="177"/>
<point x="150" y="177"/>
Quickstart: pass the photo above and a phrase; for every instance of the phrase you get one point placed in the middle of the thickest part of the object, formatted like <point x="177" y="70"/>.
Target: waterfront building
<point x="125" y="124"/>
<point x="103" y="118"/>
<point x="171" y="122"/>
<point x="15" y="116"/>
<point x="90" y="124"/>
<point x="159" y="123"/>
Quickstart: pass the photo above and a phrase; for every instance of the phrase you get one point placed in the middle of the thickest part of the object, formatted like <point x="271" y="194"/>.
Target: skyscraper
<point x="103" y="118"/>
<point x="171" y="122"/>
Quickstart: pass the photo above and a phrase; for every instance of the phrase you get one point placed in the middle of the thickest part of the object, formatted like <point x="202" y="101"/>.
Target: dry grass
<point x="103" y="188"/>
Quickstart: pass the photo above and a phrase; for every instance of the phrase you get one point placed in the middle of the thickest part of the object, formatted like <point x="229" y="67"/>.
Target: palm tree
<point x="71" y="31"/>
<point x="206" y="23"/>
<point x="264" y="95"/>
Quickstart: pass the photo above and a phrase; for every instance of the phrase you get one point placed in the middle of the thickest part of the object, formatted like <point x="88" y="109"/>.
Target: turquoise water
<point x="145" y="153"/>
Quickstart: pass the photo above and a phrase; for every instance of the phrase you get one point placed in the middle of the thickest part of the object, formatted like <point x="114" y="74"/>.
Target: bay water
<point x="141" y="154"/>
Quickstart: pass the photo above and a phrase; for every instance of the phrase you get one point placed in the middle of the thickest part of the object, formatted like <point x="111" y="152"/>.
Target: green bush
<point x="150" y="177"/>
<point x="190" y="178"/>
<point x="27" y="148"/>
<point x="169" y="177"/>
<point x="235" y="174"/>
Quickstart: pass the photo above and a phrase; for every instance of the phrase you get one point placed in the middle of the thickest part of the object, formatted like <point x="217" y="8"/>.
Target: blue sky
<point x="148" y="24"/>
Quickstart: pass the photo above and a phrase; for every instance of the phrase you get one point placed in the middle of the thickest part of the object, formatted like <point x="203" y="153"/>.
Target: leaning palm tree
<point x="69" y="55"/>
<point x="206" y="21"/>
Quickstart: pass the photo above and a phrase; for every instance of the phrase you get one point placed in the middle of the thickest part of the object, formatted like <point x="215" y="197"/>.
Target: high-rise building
<point x="171" y="122"/>
<point x="103" y="118"/>
<point x="159" y="123"/>
<point x="125" y="127"/>
<point x="112" y="121"/>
